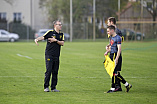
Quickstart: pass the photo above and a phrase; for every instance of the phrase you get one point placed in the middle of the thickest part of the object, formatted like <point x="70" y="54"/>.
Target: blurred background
<point x="81" y="19"/>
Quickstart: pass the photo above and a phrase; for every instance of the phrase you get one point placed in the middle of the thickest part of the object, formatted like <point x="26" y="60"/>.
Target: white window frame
<point x="17" y="16"/>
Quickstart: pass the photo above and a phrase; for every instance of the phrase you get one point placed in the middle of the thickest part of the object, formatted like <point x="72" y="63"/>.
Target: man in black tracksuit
<point x="55" y="39"/>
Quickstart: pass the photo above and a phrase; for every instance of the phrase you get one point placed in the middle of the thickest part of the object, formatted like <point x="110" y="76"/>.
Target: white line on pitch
<point x="24" y="56"/>
<point x="20" y="76"/>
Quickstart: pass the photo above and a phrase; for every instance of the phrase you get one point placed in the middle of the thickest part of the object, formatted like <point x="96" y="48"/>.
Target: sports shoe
<point x="55" y="90"/>
<point x="128" y="87"/>
<point x="46" y="90"/>
<point x="109" y="91"/>
<point x="118" y="89"/>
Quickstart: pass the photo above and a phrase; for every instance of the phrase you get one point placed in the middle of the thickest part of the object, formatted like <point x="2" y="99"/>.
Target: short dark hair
<point x="111" y="27"/>
<point x="54" y="22"/>
<point x="112" y="19"/>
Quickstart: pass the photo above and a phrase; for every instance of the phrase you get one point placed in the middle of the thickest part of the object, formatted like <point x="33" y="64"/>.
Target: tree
<point x="81" y="9"/>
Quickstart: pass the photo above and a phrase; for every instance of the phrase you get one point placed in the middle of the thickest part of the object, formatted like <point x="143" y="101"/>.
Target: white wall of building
<point x="32" y="15"/>
<point x="39" y="16"/>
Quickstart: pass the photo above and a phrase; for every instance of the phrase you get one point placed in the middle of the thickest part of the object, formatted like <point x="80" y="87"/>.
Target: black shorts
<point x="119" y="65"/>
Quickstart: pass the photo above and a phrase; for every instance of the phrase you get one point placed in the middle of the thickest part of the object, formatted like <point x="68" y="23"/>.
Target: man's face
<point x="108" y="23"/>
<point x="110" y="32"/>
<point x="58" y="26"/>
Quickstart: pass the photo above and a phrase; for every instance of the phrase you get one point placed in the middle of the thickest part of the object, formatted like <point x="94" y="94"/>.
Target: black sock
<point x="118" y="84"/>
<point x="121" y="78"/>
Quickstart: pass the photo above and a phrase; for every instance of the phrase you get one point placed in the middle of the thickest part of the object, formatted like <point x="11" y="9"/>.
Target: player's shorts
<point x="119" y="65"/>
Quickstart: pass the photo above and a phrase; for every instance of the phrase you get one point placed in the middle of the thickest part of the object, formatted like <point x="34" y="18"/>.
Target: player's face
<point x="108" y="23"/>
<point x="110" y="32"/>
<point x="58" y="26"/>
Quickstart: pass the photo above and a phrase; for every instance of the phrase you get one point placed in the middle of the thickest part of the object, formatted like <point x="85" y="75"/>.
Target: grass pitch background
<point x="82" y="77"/>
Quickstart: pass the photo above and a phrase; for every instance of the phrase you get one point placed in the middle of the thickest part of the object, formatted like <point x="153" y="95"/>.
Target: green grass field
<point x="82" y="77"/>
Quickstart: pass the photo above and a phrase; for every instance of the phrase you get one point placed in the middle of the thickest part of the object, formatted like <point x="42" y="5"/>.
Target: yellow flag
<point x="109" y="65"/>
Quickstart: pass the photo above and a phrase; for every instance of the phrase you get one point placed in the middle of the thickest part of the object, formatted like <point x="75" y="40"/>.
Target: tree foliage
<point x="81" y="9"/>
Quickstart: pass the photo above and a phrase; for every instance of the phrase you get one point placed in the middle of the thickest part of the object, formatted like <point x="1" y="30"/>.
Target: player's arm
<point x="55" y="40"/>
<point x="108" y="49"/>
<point x="60" y="42"/>
<point x="108" y="45"/>
<point x="38" y="39"/>
<point x="118" y="53"/>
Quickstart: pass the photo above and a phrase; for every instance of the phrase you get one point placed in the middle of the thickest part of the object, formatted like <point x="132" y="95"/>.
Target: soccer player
<point x="112" y="21"/>
<point x="55" y="39"/>
<point x="115" y="55"/>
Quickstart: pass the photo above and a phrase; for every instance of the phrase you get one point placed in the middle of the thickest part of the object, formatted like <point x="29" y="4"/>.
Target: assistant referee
<point x="55" y="39"/>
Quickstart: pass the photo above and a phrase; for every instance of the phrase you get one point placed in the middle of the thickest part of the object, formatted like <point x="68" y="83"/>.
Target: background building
<point x="24" y="11"/>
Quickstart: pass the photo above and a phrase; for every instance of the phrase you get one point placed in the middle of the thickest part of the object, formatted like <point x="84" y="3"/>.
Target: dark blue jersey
<point x="113" y="42"/>
<point x="118" y="32"/>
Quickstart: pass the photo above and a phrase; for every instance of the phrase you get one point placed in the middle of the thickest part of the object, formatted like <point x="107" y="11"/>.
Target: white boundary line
<point x="24" y="56"/>
<point x="18" y="76"/>
<point x="71" y="77"/>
